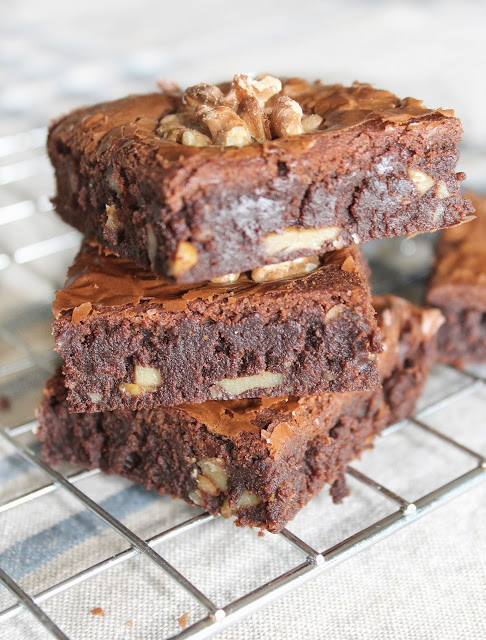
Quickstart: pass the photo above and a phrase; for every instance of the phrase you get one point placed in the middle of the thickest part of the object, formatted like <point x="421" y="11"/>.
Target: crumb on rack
<point x="97" y="611"/>
<point x="183" y="620"/>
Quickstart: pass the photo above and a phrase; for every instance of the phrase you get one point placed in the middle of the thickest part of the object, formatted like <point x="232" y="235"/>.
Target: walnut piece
<point x="251" y="97"/>
<point x="183" y="127"/>
<point x="226" y="128"/>
<point x="421" y="180"/>
<point x="311" y="123"/>
<point x="237" y="386"/>
<point x="291" y="239"/>
<point x="225" y="510"/>
<point x="112" y="220"/>
<point x="95" y="397"/>
<point x="334" y="312"/>
<point x="185" y="258"/>
<point x="195" y="498"/>
<point x="265" y="87"/>
<point x="146" y="379"/>
<point x="131" y="389"/>
<point x="245" y="501"/>
<point x="195" y="139"/>
<point x="147" y="376"/>
<point x="151" y="244"/>
<point x="229" y="278"/>
<point x="432" y="320"/>
<point x="206" y="485"/>
<point x="202" y="94"/>
<point x="297" y="267"/>
<point x="438" y="212"/>
<point x="213" y="468"/>
<point x="248" y="499"/>
<point x="286" y="118"/>
<point x="254" y="119"/>
<point x="173" y="126"/>
<point x="441" y="190"/>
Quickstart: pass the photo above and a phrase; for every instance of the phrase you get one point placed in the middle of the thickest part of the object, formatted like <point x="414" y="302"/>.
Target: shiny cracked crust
<point x="99" y="279"/>
<point x="363" y="162"/>
<point x="263" y="108"/>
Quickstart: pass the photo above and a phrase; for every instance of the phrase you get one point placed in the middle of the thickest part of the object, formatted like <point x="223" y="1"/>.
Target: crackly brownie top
<point x="99" y="279"/>
<point x="461" y="261"/>
<point x="264" y="107"/>
<point x="247" y="111"/>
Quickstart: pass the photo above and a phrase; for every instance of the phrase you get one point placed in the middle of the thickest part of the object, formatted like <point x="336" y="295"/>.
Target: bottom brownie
<point x="260" y="460"/>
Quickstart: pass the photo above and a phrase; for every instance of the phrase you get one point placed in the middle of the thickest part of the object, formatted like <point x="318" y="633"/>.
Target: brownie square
<point x="286" y="169"/>
<point x="458" y="288"/>
<point x="131" y="341"/>
<point x="260" y="460"/>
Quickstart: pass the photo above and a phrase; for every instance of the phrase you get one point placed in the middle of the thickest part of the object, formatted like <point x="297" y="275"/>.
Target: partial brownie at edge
<point x="130" y="341"/>
<point x="260" y="460"/>
<point x="268" y="185"/>
<point x="458" y="288"/>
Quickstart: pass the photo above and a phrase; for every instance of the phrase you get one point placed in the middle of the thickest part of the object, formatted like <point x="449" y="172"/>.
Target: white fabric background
<point x="425" y="582"/>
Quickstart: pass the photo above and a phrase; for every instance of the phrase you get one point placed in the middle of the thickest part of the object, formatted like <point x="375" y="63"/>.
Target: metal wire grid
<point x="314" y="562"/>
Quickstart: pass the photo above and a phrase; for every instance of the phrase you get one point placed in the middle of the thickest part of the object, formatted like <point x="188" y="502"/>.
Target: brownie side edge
<point x="291" y="337"/>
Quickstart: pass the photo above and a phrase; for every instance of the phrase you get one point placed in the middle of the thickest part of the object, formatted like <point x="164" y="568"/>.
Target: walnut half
<point x="226" y="128"/>
<point x="286" y="118"/>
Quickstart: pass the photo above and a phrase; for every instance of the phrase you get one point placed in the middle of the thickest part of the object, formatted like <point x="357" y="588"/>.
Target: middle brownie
<point x="131" y="341"/>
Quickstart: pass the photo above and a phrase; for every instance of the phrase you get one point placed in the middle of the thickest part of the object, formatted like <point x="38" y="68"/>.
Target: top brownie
<point x="223" y="179"/>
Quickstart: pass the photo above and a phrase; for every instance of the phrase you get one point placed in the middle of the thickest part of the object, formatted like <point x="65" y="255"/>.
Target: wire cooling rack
<point x="35" y="249"/>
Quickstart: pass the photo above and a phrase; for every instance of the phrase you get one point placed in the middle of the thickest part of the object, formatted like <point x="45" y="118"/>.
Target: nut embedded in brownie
<point x="260" y="460"/>
<point x="458" y="288"/>
<point x="131" y="341"/>
<point x="229" y="178"/>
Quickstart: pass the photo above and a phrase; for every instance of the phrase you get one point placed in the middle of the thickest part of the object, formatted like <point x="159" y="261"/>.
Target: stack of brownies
<point x="217" y="329"/>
